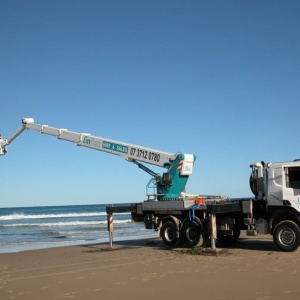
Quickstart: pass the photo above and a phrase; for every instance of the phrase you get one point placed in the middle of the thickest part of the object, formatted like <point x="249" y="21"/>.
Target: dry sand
<point x="146" y="269"/>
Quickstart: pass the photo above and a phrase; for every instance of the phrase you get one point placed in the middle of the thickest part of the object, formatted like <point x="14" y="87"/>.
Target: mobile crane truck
<point x="182" y="219"/>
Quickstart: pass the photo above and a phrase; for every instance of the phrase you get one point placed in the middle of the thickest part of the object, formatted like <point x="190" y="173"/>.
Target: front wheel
<point x="286" y="236"/>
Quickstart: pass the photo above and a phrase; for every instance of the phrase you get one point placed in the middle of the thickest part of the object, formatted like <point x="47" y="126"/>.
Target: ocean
<point x="28" y="228"/>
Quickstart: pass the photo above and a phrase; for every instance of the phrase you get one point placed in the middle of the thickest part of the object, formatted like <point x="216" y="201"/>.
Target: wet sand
<point x="252" y="269"/>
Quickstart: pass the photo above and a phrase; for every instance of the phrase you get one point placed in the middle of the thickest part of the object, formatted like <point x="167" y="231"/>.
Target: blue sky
<point x="219" y="79"/>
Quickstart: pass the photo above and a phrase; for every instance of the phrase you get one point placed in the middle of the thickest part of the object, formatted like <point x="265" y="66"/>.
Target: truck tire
<point x="286" y="236"/>
<point x="169" y="234"/>
<point x="192" y="234"/>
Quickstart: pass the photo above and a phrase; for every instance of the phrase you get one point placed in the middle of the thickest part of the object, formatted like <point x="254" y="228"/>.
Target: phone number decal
<point x="144" y="154"/>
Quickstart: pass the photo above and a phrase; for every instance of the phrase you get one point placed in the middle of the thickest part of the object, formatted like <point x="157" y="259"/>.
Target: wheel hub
<point x="169" y="234"/>
<point x="287" y="236"/>
<point x="191" y="234"/>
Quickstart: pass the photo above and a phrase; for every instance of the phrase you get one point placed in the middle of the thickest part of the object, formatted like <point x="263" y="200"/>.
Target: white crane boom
<point x="129" y="152"/>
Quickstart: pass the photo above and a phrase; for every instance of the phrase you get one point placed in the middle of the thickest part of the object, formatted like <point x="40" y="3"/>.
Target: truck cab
<point x="284" y="184"/>
<point x="277" y="186"/>
<point x="277" y="183"/>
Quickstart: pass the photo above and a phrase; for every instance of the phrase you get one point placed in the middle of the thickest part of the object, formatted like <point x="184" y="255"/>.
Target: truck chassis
<point x="188" y="224"/>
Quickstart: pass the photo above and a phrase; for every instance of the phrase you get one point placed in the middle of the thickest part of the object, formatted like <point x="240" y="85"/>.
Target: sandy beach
<point x="252" y="269"/>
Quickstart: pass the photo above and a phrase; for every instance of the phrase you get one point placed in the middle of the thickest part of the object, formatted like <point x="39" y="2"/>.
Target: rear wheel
<point x="169" y="234"/>
<point x="192" y="234"/>
<point x="286" y="236"/>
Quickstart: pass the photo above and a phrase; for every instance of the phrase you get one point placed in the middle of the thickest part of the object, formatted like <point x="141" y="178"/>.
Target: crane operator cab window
<point x="292" y="175"/>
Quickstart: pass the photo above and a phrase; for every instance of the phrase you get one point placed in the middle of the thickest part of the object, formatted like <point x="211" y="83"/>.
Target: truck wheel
<point x="192" y="234"/>
<point x="286" y="236"/>
<point x="169" y="234"/>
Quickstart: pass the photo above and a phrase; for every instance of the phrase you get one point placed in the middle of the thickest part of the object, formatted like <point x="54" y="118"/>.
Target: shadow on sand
<point x="252" y="243"/>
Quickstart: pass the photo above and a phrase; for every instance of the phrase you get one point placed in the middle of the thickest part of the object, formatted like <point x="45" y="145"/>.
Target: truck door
<point x="275" y="185"/>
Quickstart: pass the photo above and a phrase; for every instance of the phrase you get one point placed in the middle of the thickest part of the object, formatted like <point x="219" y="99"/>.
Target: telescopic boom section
<point x="128" y="151"/>
<point x="4" y="143"/>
